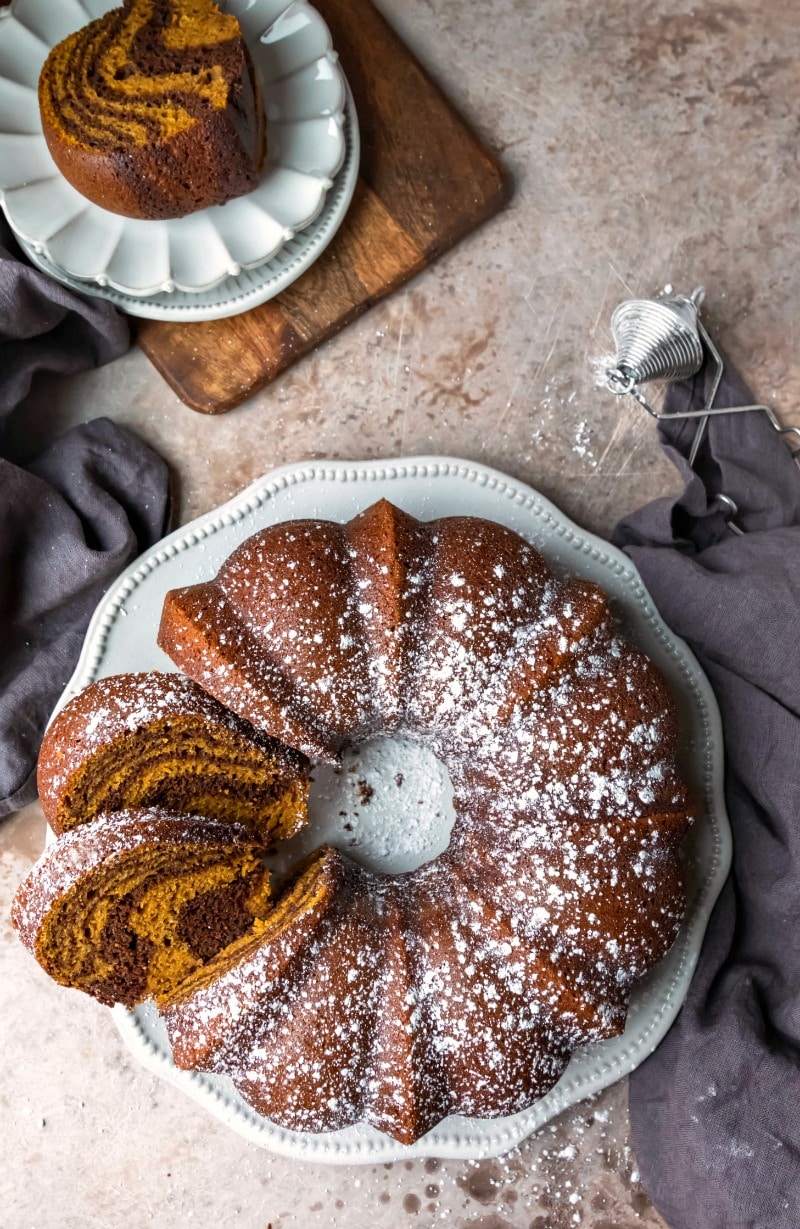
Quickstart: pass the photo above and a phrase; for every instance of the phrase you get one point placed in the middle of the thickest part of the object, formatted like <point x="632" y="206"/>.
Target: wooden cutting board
<point x="425" y="181"/>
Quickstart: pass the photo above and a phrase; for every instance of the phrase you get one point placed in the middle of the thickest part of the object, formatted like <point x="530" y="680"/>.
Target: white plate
<point x="251" y="286"/>
<point x="305" y="96"/>
<point x="122" y="637"/>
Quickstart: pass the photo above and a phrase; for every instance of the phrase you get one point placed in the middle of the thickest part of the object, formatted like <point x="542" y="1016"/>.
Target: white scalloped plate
<point x="305" y="95"/>
<point x="252" y="286"/>
<point x="122" y="637"/>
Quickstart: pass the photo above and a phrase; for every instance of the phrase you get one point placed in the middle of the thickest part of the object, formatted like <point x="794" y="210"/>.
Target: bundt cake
<point x="460" y="987"/>
<point x="463" y="986"/>
<point x="154" y="110"/>
<point x="155" y="739"/>
<point x="128" y="910"/>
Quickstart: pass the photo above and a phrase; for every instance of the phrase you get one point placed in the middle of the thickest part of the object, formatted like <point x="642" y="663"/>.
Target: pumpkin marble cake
<point x="156" y="739"/>
<point x="130" y="909"/>
<point x="460" y="987"/>
<point x="154" y="110"/>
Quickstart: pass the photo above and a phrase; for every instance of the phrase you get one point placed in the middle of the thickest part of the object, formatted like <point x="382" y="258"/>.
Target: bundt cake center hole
<point x="389" y="807"/>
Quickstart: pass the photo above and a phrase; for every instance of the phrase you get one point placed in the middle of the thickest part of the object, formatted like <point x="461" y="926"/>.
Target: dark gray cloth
<point x="69" y="521"/>
<point x="715" y="1111"/>
<point x="45" y="327"/>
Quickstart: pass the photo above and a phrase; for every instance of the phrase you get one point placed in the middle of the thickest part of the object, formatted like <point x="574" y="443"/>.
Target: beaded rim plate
<point x="122" y="634"/>
<point x="306" y="100"/>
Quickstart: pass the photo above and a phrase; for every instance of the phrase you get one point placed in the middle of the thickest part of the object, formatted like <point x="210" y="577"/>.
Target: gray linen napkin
<point x="715" y="1111"/>
<point x="70" y="520"/>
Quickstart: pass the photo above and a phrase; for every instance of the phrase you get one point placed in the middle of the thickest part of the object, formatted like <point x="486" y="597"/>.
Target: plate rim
<point x="455" y="1137"/>
<point x="97" y="283"/>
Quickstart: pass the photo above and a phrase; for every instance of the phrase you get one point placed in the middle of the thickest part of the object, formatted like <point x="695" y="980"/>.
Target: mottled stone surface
<point x="649" y="144"/>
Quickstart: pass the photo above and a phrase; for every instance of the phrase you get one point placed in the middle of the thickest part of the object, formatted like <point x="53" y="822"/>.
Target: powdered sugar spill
<point x="581" y="442"/>
<point x="600" y="364"/>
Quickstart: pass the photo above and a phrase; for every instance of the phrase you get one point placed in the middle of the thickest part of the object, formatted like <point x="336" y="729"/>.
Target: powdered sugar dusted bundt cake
<point x="154" y="110"/>
<point x="156" y="739"/>
<point x="461" y="987"/>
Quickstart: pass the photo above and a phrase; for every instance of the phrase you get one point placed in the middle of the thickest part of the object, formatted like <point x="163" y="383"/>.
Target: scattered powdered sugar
<point x="576" y="1171"/>
<point x="581" y="442"/>
<point x="600" y="365"/>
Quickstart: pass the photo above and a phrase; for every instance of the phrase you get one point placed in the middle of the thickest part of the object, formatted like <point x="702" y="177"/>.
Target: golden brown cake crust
<point x="154" y="110"/>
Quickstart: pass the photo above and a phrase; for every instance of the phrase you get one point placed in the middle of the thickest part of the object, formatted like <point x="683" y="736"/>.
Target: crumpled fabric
<point x="70" y="520"/>
<point x="715" y="1111"/>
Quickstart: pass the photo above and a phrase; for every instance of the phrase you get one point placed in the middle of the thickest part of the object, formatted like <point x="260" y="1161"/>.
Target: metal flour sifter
<point x="664" y="339"/>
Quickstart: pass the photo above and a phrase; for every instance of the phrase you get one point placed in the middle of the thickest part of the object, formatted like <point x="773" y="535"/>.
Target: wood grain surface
<point x="425" y="181"/>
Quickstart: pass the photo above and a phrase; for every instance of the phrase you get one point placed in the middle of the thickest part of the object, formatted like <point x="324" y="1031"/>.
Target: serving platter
<point x="308" y="109"/>
<point x="122" y="637"/>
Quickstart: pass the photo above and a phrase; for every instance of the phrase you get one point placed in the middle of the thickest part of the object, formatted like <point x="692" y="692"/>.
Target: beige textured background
<point x="649" y="144"/>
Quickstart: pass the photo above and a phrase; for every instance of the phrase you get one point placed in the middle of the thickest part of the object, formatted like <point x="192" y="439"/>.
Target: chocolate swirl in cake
<point x="142" y="903"/>
<point x="153" y="739"/>
<point x="154" y="109"/>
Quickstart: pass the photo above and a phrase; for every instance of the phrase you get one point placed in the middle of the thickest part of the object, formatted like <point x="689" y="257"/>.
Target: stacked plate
<point x="216" y="262"/>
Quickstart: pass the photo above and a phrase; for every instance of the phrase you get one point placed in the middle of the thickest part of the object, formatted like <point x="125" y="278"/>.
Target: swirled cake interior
<point x="154" y="110"/>
<point x="133" y="912"/>
<point x="152" y="739"/>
